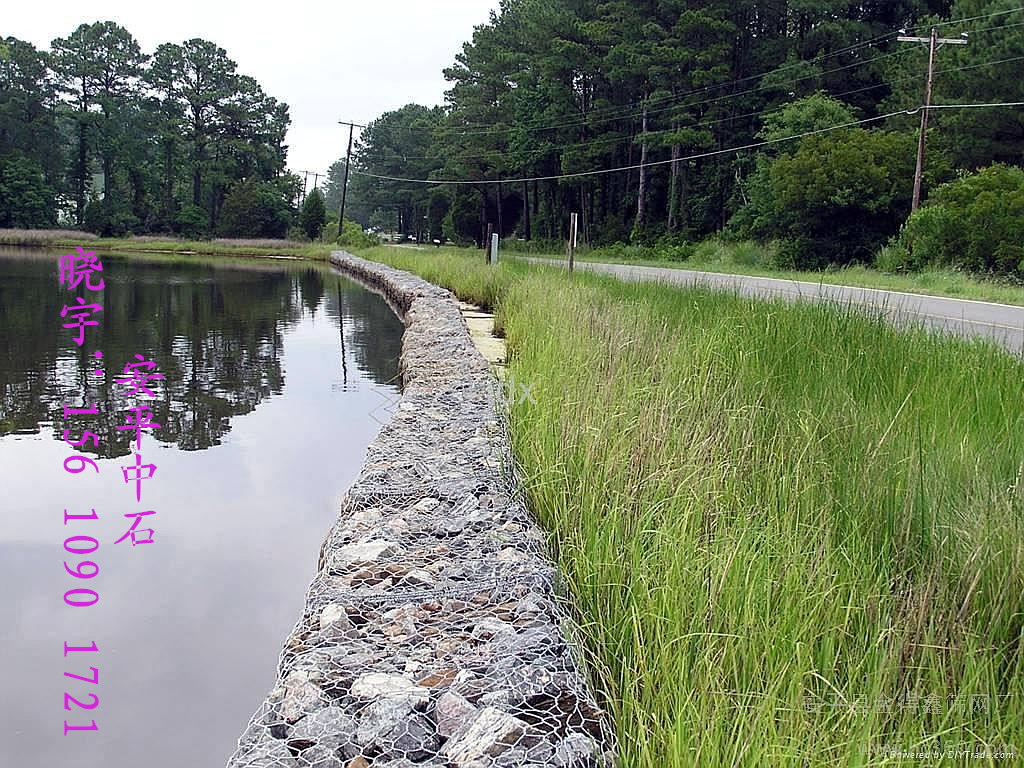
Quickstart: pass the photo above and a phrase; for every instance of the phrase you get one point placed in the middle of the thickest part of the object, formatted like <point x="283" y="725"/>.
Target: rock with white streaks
<point x="489" y="734"/>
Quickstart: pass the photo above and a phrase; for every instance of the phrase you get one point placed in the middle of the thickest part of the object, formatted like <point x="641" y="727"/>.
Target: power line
<point x="969" y="18"/>
<point x="760" y="113"/>
<point x="615" y="139"/>
<point x="978" y="106"/>
<point x="796" y="64"/>
<point x="669" y="97"/>
<point x="588" y="121"/>
<point x="995" y="28"/>
<point x="968" y="67"/>
<point x="697" y="156"/>
<point x="589" y="118"/>
<point x="908" y="112"/>
<point x="628" y="167"/>
<point x="651" y="134"/>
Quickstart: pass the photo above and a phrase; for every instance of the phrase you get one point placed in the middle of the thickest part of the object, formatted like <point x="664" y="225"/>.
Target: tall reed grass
<point x="68" y="238"/>
<point x="43" y="236"/>
<point x="793" y="534"/>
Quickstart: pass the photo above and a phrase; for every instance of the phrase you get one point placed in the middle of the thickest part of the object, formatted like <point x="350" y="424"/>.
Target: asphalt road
<point x="1002" y="323"/>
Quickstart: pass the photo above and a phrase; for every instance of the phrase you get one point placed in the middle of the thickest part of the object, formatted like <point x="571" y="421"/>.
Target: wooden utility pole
<point x="526" y="209"/>
<point x="641" y="196"/>
<point x="933" y="41"/>
<point x="348" y="161"/>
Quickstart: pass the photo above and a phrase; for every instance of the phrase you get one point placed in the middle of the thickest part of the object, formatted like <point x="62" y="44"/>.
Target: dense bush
<point x="836" y="199"/>
<point x="816" y="112"/>
<point x="255" y="209"/>
<point x="109" y="218"/>
<point x="743" y="253"/>
<point x="665" y="248"/>
<point x="353" y="236"/>
<point x="894" y="257"/>
<point x="192" y="222"/>
<point x="974" y="223"/>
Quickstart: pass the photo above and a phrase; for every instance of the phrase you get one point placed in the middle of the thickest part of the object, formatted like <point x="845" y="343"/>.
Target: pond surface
<point x="277" y="377"/>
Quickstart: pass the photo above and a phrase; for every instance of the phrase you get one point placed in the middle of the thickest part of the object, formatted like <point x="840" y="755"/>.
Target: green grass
<point x="747" y="258"/>
<point x="775" y="519"/>
<point x="461" y="270"/>
<point x="221" y="247"/>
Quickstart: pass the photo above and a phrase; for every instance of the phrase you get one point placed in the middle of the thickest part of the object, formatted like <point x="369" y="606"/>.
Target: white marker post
<point x="574" y="219"/>
<point x="494" y="249"/>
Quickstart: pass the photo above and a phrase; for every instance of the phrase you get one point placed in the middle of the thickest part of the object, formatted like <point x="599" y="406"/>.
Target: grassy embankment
<point x="794" y="535"/>
<point x="65" y="238"/>
<point x="747" y="258"/>
<point x="710" y="256"/>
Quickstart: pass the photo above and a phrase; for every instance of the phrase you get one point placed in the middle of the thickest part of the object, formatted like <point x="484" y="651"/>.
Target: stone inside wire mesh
<point x="435" y="631"/>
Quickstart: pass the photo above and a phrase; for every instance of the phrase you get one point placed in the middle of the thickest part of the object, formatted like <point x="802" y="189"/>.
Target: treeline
<point x="549" y="88"/>
<point x="95" y="133"/>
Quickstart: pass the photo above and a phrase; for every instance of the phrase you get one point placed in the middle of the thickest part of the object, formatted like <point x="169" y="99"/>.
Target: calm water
<point x="277" y="378"/>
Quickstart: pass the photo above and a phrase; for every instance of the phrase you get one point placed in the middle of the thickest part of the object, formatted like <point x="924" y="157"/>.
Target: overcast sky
<point x="345" y="60"/>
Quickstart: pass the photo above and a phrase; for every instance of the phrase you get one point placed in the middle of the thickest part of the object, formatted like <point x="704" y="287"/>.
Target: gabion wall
<point x="433" y="633"/>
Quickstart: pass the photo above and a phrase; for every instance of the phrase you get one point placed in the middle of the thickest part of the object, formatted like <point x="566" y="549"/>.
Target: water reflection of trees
<point x="365" y="316"/>
<point x="215" y="333"/>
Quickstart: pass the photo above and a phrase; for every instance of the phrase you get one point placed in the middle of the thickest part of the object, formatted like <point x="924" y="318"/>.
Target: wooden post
<point x="574" y="219"/>
<point x="487" y="243"/>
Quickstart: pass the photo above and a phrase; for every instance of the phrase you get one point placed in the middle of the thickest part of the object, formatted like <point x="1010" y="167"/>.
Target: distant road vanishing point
<point x="1002" y="323"/>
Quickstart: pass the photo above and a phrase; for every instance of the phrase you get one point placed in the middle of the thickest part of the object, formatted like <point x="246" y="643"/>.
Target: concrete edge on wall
<point x="434" y="632"/>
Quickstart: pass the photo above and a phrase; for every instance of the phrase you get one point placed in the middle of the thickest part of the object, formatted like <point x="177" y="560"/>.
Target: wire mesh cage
<point x="435" y="632"/>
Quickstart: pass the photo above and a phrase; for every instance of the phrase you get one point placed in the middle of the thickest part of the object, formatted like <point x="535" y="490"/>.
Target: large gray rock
<point x="540" y="753"/>
<point x="488" y="628"/>
<point x="452" y="713"/>
<point x="331" y="724"/>
<point x="334" y="615"/>
<point x="363" y="553"/>
<point x="300" y="697"/>
<point x="577" y="750"/>
<point x="375" y="685"/>
<point x="391" y="727"/>
<point x="489" y="734"/>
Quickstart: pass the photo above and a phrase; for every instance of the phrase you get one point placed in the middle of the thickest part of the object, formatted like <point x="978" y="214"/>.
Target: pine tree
<point x="313" y="216"/>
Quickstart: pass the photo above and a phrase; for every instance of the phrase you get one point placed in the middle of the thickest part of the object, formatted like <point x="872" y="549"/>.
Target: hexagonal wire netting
<point x="435" y="632"/>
